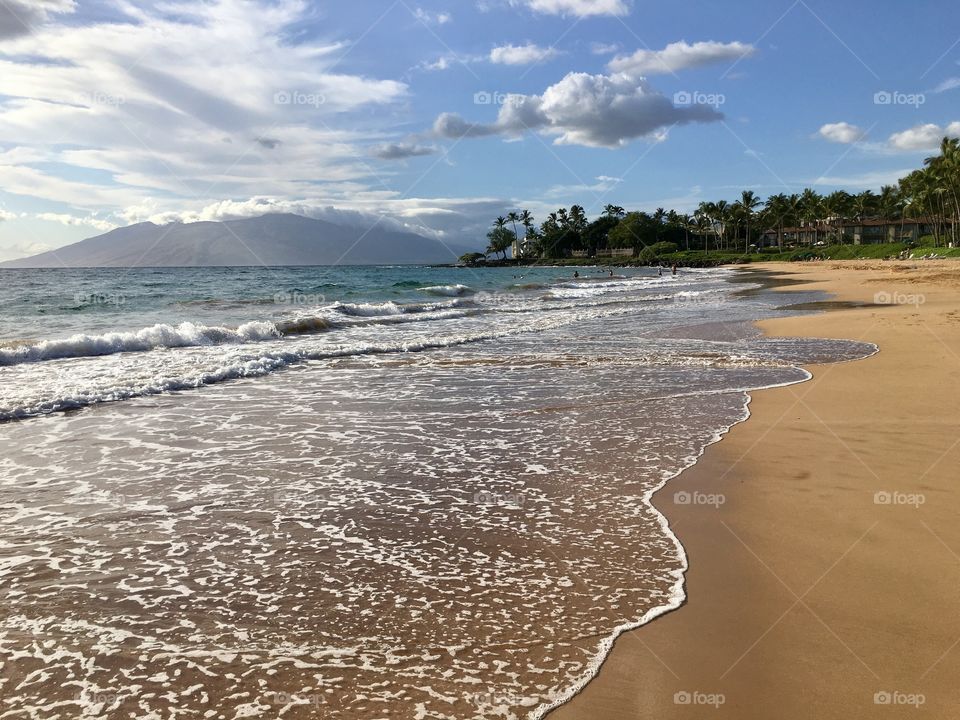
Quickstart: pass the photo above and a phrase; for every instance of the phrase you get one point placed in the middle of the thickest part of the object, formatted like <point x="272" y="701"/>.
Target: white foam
<point x="158" y="336"/>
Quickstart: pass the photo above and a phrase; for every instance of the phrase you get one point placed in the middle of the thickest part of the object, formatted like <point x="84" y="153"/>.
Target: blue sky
<point x="438" y="116"/>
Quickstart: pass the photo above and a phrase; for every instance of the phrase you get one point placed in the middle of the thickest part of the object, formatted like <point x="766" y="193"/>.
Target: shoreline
<point x="678" y="595"/>
<point x="634" y="677"/>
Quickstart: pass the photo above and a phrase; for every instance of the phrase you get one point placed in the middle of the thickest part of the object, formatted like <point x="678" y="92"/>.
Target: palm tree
<point x="514" y="218"/>
<point x="749" y="202"/>
<point x="778" y="209"/>
<point x="614" y="211"/>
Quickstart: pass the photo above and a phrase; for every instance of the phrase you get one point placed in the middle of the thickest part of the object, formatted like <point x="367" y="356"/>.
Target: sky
<point x="439" y="116"/>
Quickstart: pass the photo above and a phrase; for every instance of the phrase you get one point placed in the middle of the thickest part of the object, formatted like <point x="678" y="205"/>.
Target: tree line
<point x="931" y="193"/>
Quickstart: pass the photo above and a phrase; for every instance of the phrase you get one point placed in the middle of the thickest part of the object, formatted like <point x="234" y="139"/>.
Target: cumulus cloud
<point x="401" y="151"/>
<point x="923" y="137"/>
<point x="5" y="215"/>
<point x="583" y="109"/>
<point x="438" y="218"/>
<point x="22" y="17"/>
<point x="577" y="8"/>
<point x="841" y="132"/>
<point x="680" y="56"/>
<point x="74" y="221"/>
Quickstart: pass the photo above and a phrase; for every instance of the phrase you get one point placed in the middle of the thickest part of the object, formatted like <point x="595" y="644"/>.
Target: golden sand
<point x="828" y="583"/>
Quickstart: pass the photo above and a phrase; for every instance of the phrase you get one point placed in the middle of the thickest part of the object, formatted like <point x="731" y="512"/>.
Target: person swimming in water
<point x="576" y="273"/>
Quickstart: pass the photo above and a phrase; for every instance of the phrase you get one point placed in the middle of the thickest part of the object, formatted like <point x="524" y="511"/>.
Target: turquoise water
<point x="45" y="304"/>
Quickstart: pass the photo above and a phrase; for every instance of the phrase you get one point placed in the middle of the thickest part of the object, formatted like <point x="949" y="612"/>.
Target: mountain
<point x="271" y="240"/>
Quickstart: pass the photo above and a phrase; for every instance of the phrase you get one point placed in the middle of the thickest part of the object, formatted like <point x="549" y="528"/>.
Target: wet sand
<point x="827" y="582"/>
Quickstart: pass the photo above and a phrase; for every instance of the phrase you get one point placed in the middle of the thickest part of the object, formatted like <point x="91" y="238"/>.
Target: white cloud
<point x="5" y="215"/>
<point x="582" y="109"/>
<point x="841" y="132"/>
<point x="680" y="56"/>
<point x="521" y="54"/>
<point x="401" y="151"/>
<point x="74" y="221"/>
<point x="604" y="48"/>
<point x="429" y="18"/>
<point x="22" y="17"/>
<point x="948" y="84"/>
<point x="578" y="8"/>
<point x="869" y="180"/>
<point x="923" y="137"/>
<point x="154" y="103"/>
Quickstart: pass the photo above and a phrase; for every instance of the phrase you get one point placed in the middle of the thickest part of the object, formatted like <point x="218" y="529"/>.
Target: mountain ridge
<point x="276" y="239"/>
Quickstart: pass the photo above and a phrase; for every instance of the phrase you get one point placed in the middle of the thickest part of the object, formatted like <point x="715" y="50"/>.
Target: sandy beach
<point x="825" y="584"/>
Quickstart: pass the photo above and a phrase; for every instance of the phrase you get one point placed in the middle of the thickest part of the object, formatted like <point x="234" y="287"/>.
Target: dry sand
<point x="828" y="583"/>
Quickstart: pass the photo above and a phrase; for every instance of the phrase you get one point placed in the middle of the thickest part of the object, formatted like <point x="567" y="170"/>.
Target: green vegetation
<point x="798" y="227"/>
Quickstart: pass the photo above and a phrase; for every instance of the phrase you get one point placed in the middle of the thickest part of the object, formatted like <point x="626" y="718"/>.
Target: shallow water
<point x="446" y="517"/>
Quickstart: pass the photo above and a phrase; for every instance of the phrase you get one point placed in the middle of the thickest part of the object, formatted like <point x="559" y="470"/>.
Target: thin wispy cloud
<point x="680" y="56"/>
<point x="528" y="54"/>
<point x="577" y="8"/>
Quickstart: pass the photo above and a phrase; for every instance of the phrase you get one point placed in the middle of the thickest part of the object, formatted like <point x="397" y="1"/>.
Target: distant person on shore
<point x="660" y="271"/>
<point x="674" y="269"/>
<point x="611" y="273"/>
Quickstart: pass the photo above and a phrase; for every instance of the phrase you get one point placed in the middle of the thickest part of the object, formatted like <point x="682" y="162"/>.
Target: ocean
<point x="353" y="492"/>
